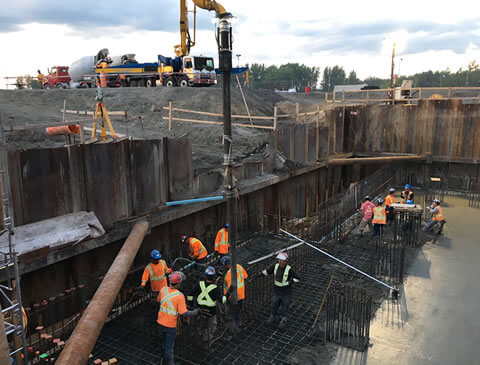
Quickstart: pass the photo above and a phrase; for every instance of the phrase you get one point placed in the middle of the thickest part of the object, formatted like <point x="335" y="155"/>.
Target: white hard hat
<point x="282" y="256"/>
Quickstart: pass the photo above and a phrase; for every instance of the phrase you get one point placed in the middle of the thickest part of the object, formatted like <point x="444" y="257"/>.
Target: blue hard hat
<point x="227" y="225"/>
<point x="408" y="186"/>
<point x="380" y="201"/>
<point x="436" y="201"/>
<point x="210" y="271"/>
<point x="409" y="202"/>
<point x="392" y="190"/>
<point x="156" y="255"/>
<point x="368" y="198"/>
<point x="225" y="260"/>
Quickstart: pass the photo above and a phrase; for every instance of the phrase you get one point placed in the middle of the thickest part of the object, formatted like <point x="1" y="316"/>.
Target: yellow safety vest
<point x="379" y="215"/>
<point x="204" y="297"/>
<point x="167" y="299"/>
<point x="284" y="281"/>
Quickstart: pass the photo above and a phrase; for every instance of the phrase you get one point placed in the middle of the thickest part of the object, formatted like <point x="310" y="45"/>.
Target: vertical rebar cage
<point x="388" y="258"/>
<point x="474" y="194"/>
<point x="348" y="316"/>
<point x="407" y="227"/>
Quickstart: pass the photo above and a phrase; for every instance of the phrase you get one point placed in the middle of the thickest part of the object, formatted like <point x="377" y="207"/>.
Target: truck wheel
<point x="183" y="83"/>
<point x="47" y="86"/>
<point x="59" y="86"/>
<point x="150" y="83"/>
<point x="169" y="82"/>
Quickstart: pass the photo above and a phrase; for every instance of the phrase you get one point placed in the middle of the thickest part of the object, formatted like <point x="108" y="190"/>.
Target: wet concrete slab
<point x="437" y="320"/>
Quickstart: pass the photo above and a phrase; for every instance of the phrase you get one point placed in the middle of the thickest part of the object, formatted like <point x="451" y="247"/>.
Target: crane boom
<point x="186" y="41"/>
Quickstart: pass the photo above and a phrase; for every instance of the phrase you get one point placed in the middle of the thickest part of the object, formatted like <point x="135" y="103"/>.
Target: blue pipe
<point x="198" y="200"/>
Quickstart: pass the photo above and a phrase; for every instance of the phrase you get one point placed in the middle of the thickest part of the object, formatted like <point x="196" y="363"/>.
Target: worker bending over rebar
<point x="283" y="276"/>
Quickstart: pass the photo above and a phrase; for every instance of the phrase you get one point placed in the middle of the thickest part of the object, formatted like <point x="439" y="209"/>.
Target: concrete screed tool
<point x="394" y="292"/>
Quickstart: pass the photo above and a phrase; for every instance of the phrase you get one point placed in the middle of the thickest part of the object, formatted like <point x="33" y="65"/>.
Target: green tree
<point x="352" y="78"/>
<point x="333" y="76"/>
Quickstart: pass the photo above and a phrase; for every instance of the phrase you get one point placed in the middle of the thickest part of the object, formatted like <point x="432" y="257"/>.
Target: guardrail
<point x="407" y="95"/>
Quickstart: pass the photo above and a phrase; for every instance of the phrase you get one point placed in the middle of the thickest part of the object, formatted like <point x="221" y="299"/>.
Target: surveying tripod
<point x="102" y="110"/>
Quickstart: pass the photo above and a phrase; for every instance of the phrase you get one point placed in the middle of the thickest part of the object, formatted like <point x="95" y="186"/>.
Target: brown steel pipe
<point x="370" y="160"/>
<point x="83" y="338"/>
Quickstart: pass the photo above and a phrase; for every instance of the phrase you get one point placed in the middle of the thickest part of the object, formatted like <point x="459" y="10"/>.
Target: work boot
<point x="283" y="322"/>
<point x="271" y="319"/>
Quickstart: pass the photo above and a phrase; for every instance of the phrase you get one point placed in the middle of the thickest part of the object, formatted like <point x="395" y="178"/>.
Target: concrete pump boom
<point x="186" y="41"/>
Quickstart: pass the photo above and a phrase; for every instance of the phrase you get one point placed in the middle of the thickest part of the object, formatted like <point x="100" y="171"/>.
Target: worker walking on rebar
<point x="196" y="249"/>
<point x="205" y="295"/>
<point x="437" y="217"/>
<point x="367" y="214"/>
<point x="379" y="218"/>
<point x="172" y="304"/>
<point x="156" y="271"/>
<point x="233" y="311"/>
<point x="283" y="277"/>
<point x="389" y="200"/>
<point x="222" y="244"/>
<point x="407" y="194"/>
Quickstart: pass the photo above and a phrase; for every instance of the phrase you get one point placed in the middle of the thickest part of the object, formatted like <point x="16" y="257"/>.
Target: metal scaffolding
<point x="10" y="291"/>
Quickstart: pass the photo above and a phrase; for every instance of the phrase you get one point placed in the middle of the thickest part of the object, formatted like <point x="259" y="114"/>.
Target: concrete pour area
<point x="437" y="319"/>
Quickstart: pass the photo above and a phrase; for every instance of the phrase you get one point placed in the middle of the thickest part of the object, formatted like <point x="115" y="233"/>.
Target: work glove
<point x="195" y="312"/>
<point x="224" y="299"/>
<point x="296" y="280"/>
<point x="140" y="288"/>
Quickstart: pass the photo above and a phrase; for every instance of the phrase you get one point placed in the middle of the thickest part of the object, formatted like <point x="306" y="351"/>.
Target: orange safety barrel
<point x="63" y="130"/>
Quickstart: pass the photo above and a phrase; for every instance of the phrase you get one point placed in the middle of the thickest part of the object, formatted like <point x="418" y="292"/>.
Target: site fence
<point x="254" y="121"/>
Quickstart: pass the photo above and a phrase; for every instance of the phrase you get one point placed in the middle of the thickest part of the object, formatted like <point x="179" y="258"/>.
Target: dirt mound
<point x="145" y="115"/>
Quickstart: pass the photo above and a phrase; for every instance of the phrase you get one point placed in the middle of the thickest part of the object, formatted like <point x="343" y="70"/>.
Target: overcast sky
<point x="356" y="34"/>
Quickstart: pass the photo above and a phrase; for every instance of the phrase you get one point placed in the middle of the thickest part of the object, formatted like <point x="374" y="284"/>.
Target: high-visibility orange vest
<point x="379" y="215"/>
<point x="438" y="216"/>
<point x="157" y="274"/>
<point x="103" y="79"/>
<point x="172" y="303"/>
<point x="221" y="242"/>
<point x="197" y="249"/>
<point x="389" y="200"/>
<point x="241" y="276"/>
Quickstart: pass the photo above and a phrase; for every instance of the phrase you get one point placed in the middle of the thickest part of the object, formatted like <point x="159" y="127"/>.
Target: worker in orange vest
<point x="233" y="312"/>
<point x="197" y="250"/>
<point x="379" y="218"/>
<point x="221" y="242"/>
<point x="172" y="304"/>
<point x="156" y="271"/>
<point x="389" y="200"/>
<point x="437" y="216"/>
<point x="41" y="78"/>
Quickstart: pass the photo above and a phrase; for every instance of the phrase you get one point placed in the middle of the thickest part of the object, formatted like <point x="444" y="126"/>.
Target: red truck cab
<point x="57" y="77"/>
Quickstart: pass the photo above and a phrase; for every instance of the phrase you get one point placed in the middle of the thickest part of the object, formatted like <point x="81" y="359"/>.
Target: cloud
<point x="89" y="15"/>
<point x="419" y="36"/>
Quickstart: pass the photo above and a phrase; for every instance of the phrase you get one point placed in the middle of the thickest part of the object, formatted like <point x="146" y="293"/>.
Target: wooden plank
<point x="219" y="123"/>
<point x="260" y="117"/>
<point x="84" y="112"/>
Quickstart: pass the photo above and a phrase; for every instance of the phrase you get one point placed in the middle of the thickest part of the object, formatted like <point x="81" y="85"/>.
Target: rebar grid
<point x="348" y="316"/>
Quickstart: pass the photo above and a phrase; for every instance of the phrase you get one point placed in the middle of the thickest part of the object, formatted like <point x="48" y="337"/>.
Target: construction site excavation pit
<point x="131" y="337"/>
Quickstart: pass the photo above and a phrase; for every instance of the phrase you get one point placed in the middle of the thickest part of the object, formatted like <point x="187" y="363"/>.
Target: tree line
<point x="299" y="76"/>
